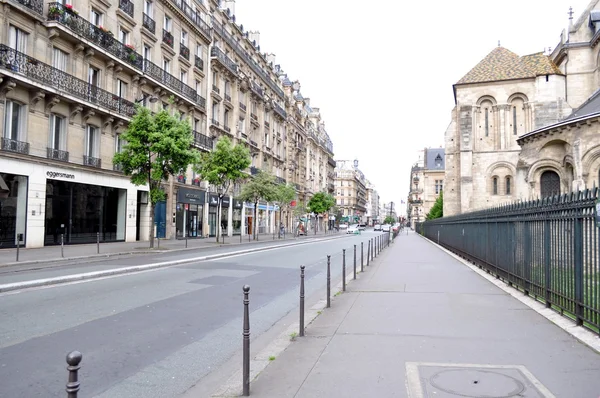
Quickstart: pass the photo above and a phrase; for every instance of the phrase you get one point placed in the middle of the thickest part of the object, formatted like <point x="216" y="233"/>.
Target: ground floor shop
<point x="189" y="213"/>
<point x="45" y="204"/>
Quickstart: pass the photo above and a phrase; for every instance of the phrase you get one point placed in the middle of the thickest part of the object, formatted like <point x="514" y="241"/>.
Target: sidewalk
<point x="73" y="252"/>
<point x="421" y="320"/>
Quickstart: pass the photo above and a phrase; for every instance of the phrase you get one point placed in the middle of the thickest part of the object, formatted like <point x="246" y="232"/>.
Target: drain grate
<point x="427" y="380"/>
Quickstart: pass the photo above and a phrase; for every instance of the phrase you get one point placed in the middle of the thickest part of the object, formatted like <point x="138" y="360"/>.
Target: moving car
<point x="352" y="229"/>
<point x="377" y="227"/>
<point x="386" y="228"/>
<point x="362" y="227"/>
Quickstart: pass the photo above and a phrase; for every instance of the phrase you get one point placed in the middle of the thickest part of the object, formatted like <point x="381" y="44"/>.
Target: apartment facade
<point x="426" y="184"/>
<point x="72" y="73"/>
<point x="372" y="204"/>
<point x="351" y="191"/>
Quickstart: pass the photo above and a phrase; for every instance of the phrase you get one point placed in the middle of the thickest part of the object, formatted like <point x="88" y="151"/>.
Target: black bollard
<point x="157" y="242"/>
<point x="186" y="242"/>
<point x="301" y="301"/>
<point x="354" y="261"/>
<point x="98" y="242"/>
<point x="344" y="270"/>
<point x="246" y="345"/>
<point x="73" y="360"/>
<point x="240" y="236"/>
<point x="362" y="257"/>
<point x="62" y="245"/>
<point x="18" y="245"/>
<point x="368" y="251"/>
<point x="328" y="281"/>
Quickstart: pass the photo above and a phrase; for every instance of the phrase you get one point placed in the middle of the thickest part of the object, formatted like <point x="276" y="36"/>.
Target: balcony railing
<point x="279" y="110"/>
<point x="253" y="143"/>
<point x="127" y="7"/>
<point x="199" y="63"/>
<point x="228" y="98"/>
<point x="47" y="75"/>
<point x="15" y="146"/>
<point x="331" y="162"/>
<point x="227" y="128"/>
<point x="244" y="135"/>
<point x="203" y="141"/>
<point x="253" y="116"/>
<point x="92" y="161"/>
<point x="214" y="122"/>
<point x="267" y="125"/>
<point x="256" y="89"/>
<point x="57" y="154"/>
<point x="36" y="6"/>
<point x="243" y="106"/>
<point x="216" y="89"/>
<point x="195" y="17"/>
<point x="217" y="53"/>
<point x="280" y="180"/>
<point x="184" y="51"/>
<point x="148" y="23"/>
<point x="156" y="72"/>
<point x="168" y="38"/>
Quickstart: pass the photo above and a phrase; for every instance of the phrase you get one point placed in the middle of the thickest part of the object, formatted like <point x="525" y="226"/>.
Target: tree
<point x="320" y="203"/>
<point x="223" y="167"/>
<point x="299" y="211"/>
<point x="437" y="211"/>
<point x="260" y="187"/>
<point x="284" y="194"/>
<point x="389" y="220"/>
<point x="156" y="147"/>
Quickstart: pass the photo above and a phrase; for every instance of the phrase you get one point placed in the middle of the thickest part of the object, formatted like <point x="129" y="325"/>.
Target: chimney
<point x="228" y="4"/>
<point x="271" y="58"/>
<point x="254" y="36"/>
<point x="296" y="85"/>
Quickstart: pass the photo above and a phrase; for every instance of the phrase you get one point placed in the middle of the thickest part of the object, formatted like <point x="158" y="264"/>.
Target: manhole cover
<point x="475" y="383"/>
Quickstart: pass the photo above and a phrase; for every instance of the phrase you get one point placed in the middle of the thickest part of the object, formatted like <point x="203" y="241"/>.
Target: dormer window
<point x="438" y="161"/>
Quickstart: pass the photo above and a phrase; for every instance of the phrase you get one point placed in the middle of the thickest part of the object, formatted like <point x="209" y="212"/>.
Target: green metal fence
<point x="548" y="249"/>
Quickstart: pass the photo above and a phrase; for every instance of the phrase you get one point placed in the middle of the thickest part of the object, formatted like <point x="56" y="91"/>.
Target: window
<point x="59" y="59"/>
<point x="148" y="8"/>
<point x="119" y="142"/>
<point x="17" y="39"/>
<point x="57" y="135"/>
<point x="227" y="87"/>
<point x="508" y="185"/>
<point x="123" y="36"/>
<point x="549" y="184"/>
<point x="266" y="139"/>
<point x="199" y="51"/>
<point x="495" y="186"/>
<point x="95" y="17"/>
<point x="167" y="24"/>
<point x="184" y="38"/>
<point x="167" y="65"/>
<point x="215" y="111"/>
<point x="487" y="121"/>
<point x="14" y="121"/>
<point x="198" y="87"/>
<point x="121" y="89"/>
<point x="91" y="142"/>
<point x="226" y="118"/>
<point x="242" y="125"/>
<point x="514" y="120"/>
<point x="215" y="79"/>
<point x="183" y="76"/>
<point x="147" y="52"/>
<point x="197" y="124"/>
<point x="439" y="186"/>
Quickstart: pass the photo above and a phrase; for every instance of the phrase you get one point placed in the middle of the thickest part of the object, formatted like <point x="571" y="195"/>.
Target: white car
<point x="386" y="228"/>
<point x="377" y="227"/>
<point x="352" y="229"/>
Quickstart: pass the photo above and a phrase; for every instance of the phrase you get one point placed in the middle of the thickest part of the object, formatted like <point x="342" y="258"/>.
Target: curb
<point x="579" y="333"/>
<point x="138" y="268"/>
<point x="132" y="252"/>
<point x="233" y="386"/>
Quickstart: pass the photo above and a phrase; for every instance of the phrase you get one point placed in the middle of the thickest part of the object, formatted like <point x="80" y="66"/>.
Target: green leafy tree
<point x="260" y="187"/>
<point x="320" y="203"/>
<point x="223" y="167"/>
<point x="437" y="211"/>
<point x="389" y="220"/>
<point x="284" y="194"/>
<point x="156" y="147"/>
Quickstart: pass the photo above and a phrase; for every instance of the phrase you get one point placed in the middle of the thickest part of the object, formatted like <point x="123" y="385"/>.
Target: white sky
<point x="382" y="72"/>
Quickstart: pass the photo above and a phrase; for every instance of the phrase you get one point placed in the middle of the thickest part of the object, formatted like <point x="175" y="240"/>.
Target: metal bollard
<point x="362" y="257"/>
<point x="246" y="345"/>
<point x="62" y="245"/>
<point x="157" y="242"/>
<point x="368" y="251"/>
<point x="73" y="360"/>
<point x="18" y="245"/>
<point x="301" y="301"/>
<point x="344" y="270"/>
<point x="186" y="242"/>
<point x="354" y="261"/>
<point x="328" y="281"/>
<point x="98" y="242"/>
<point x="240" y="236"/>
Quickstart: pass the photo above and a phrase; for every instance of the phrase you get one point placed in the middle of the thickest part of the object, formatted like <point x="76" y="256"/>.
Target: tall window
<point x="227" y="87"/>
<point x="119" y="142"/>
<point x="57" y="134"/>
<point x="123" y="36"/>
<point x="215" y="111"/>
<point x="183" y="76"/>
<point x="508" y="185"/>
<point x="168" y="23"/>
<point x="121" y="89"/>
<point x="184" y="38"/>
<point x="198" y="87"/>
<point x="59" y="59"/>
<point x="147" y="52"/>
<point x="514" y="120"/>
<point x="439" y="186"/>
<point x="199" y="51"/>
<point x="495" y="185"/>
<point x="226" y="118"/>
<point x="242" y="125"/>
<point x="148" y="8"/>
<point x="14" y="121"/>
<point x="17" y="39"/>
<point x="167" y="65"/>
<point x="487" y="122"/>
<point x="95" y="17"/>
<point x="91" y="142"/>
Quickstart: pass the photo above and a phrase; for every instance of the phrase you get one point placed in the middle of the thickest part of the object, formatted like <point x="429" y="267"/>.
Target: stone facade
<point x="351" y="191"/>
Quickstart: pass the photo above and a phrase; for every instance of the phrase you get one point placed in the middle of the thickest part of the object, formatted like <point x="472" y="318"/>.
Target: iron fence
<point x="547" y="248"/>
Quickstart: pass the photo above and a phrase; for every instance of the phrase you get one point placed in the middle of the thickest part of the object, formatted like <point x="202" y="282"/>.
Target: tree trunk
<point x="152" y="225"/>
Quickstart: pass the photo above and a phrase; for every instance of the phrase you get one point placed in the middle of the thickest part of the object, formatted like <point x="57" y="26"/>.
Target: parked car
<point x="386" y="227"/>
<point x="352" y="229"/>
<point x="362" y="227"/>
<point x="343" y="226"/>
<point x="377" y="227"/>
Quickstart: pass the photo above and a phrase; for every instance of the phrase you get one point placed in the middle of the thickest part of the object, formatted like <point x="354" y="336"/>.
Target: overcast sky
<point x="382" y="72"/>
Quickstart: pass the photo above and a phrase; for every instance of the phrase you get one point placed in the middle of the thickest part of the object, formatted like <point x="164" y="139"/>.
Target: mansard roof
<point x="502" y="64"/>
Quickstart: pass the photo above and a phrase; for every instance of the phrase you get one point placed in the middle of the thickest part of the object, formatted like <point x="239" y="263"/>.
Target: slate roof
<point x="502" y="64"/>
<point x="435" y="159"/>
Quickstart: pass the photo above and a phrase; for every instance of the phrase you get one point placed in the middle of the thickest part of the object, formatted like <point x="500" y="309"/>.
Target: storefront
<point x="236" y="216"/>
<point x="189" y="211"/>
<point x="249" y="219"/>
<point x="213" y="206"/>
<point x="13" y="209"/>
<point x="226" y="201"/>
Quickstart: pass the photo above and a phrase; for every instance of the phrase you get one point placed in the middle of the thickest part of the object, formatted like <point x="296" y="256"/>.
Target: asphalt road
<point x="154" y="333"/>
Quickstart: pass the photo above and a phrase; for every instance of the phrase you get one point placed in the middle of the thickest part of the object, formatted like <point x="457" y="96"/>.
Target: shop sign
<point x="194" y="196"/>
<point x="213" y="199"/>
<point x="58" y="174"/>
<point x="237" y="204"/>
<point x="225" y="202"/>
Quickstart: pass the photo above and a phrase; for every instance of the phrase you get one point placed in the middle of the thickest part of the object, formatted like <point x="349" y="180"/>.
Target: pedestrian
<point x="281" y="230"/>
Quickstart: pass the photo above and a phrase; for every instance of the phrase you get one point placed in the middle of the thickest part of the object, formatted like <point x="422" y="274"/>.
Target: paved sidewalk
<point x="53" y="253"/>
<point x="419" y="319"/>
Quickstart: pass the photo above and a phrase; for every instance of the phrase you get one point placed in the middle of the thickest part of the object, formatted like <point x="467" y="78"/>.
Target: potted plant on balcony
<point x="132" y="56"/>
<point x="54" y="12"/>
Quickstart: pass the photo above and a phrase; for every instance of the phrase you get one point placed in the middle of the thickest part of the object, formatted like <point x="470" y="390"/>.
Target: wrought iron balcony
<point x="184" y="51"/>
<point x="267" y="125"/>
<point x="92" y="161"/>
<point x="15" y="146"/>
<point x="216" y="89"/>
<point x="253" y="116"/>
<point x="57" y="154"/>
<point x="156" y="72"/>
<point x="244" y="135"/>
<point x="280" y="180"/>
<point x="199" y="63"/>
<point x="279" y="110"/>
<point x="243" y="106"/>
<point x="201" y="101"/>
<point x="168" y="38"/>
<point x="227" y="97"/>
<point x="331" y="162"/>
<point x="149" y="23"/>
<point x="227" y="128"/>
<point x="253" y="143"/>
<point x="195" y="18"/>
<point x="214" y="122"/>
<point x="24" y="65"/>
<point x="203" y="141"/>
<point x="36" y="6"/>
<point x="127" y="7"/>
<point x="256" y="89"/>
<point x="217" y="53"/>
